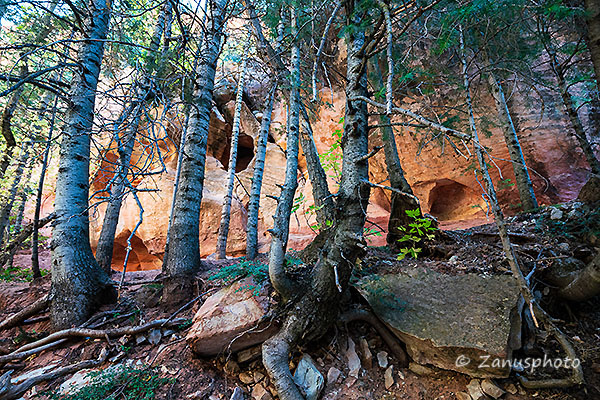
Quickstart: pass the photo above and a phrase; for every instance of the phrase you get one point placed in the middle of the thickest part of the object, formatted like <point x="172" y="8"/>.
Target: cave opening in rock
<point x="245" y="153"/>
<point x="450" y="200"/>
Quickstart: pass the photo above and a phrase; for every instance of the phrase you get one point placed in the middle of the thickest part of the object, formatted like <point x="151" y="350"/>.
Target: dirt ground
<point x="539" y="242"/>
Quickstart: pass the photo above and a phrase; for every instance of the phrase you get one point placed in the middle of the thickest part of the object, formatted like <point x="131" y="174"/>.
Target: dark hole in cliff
<point x="449" y="200"/>
<point x="245" y="153"/>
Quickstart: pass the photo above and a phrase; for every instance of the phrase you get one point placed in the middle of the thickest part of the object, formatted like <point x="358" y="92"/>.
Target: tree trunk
<point x="128" y="123"/>
<point x="523" y="181"/>
<point x="574" y="118"/>
<point x="78" y="283"/>
<point x="10" y="199"/>
<point x="20" y="211"/>
<point x="7" y="115"/>
<point x="318" y="178"/>
<point x="592" y="8"/>
<point x="317" y="306"/>
<point x="285" y="202"/>
<point x="182" y="259"/>
<point x="235" y="136"/>
<point x="400" y="203"/>
<point x="259" y="168"/>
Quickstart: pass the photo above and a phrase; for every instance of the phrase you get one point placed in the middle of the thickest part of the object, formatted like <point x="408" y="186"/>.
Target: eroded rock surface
<point x="229" y="320"/>
<point x="452" y="322"/>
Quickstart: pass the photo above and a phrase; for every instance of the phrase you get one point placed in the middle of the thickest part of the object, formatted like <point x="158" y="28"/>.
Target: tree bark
<point x="259" y="167"/>
<point x="182" y="259"/>
<point x="400" y="202"/>
<point x="592" y="8"/>
<point x="235" y="136"/>
<point x="579" y="131"/>
<point x="128" y="123"/>
<point x="78" y="283"/>
<point x="7" y="134"/>
<point x="316" y="307"/>
<point x="285" y="202"/>
<point x="523" y="180"/>
<point x="10" y="199"/>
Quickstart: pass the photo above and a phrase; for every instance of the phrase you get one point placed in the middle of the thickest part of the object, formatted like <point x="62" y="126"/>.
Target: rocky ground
<point x="352" y="360"/>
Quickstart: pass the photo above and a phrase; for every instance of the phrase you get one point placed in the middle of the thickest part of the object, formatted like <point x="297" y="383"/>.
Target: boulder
<point x="452" y="322"/>
<point x="230" y="320"/>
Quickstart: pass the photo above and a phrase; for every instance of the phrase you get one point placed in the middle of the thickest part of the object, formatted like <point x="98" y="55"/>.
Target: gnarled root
<point x="585" y="284"/>
<point x="392" y="342"/>
<point x="25" y="313"/>
<point x="275" y="354"/>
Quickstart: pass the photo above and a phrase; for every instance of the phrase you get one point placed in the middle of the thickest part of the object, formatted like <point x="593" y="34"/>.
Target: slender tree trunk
<point x="259" y="168"/>
<point x="576" y="124"/>
<point x="78" y="283"/>
<point x="523" y="181"/>
<point x="285" y="202"/>
<point x="10" y="199"/>
<point x="317" y="306"/>
<point x="183" y="256"/>
<point x="592" y="8"/>
<point x="318" y="178"/>
<point x="400" y="203"/>
<point x="35" y="261"/>
<point x="7" y="115"/>
<point x="235" y="137"/>
<point x="128" y="123"/>
<point x="20" y="211"/>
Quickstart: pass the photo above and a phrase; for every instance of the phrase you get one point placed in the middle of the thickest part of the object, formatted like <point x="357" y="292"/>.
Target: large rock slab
<point x="229" y="320"/>
<point x="452" y="322"/>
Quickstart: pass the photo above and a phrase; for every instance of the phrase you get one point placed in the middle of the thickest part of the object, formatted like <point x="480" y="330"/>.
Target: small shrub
<point x="18" y="274"/>
<point x="119" y="383"/>
<point x="415" y="233"/>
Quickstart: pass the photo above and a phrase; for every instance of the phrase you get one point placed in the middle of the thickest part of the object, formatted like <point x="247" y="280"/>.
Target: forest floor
<point x="168" y="364"/>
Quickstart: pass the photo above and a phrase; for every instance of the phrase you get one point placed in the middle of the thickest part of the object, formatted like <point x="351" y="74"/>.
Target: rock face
<point x="229" y="321"/>
<point x="440" y="177"/>
<point x="452" y="322"/>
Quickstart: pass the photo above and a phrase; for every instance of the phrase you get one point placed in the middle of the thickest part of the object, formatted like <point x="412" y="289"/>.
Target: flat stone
<point x="463" y="396"/>
<point x="556" y="214"/>
<point x="250" y="354"/>
<point x="511" y="388"/>
<point x="238" y="394"/>
<point x="258" y="376"/>
<point x="231" y="367"/>
<point x="333" y="375"/>
<point x="444" y="319"/>
<point x="491" y="389"/>
<point x="308" y="378"/>
<point x="353" y="359"/>
<point x="365" y="351"/>
<point x="246" y="378"/>
<point x="388" y="377"/>
<point x="230" y="320"/>
<point x="154" y="336"/>
<point x="260" y="393"/>
<point x="382" y="359"/>
<point x="475" y="391"/>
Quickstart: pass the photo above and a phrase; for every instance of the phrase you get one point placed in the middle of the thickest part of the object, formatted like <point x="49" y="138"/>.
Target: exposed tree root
<point x="393" y="343"/>
<point x="11" y="392"/>
<point x="585" y="283"/>
<point x="59" y="337"/>
<point x="25" y="313"/>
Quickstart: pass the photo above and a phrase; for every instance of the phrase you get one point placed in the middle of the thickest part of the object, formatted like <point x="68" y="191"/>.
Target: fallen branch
<point x="521" y="236"/>
<point x="25" y="313"/>
<point x="10" y="392"/>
